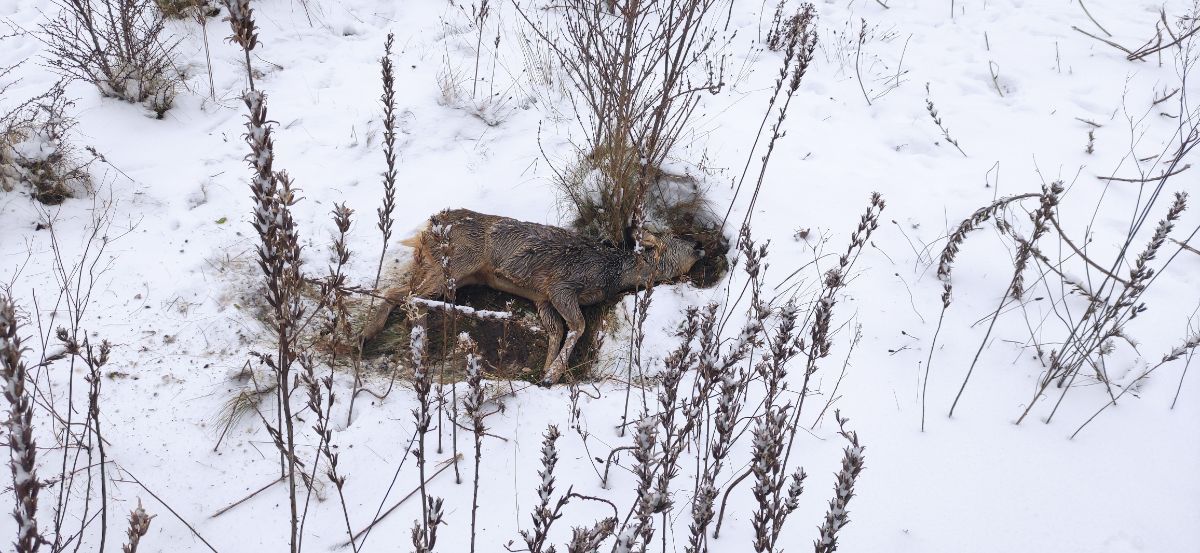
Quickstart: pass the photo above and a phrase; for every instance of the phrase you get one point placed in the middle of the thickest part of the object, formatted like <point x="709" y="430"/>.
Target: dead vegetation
<point x="37" y="151"/>
<point x="120" y="46"/>
<point x="719" y="401"/>
<point x="638" y="69"/>
<point x="1096" y="294"/>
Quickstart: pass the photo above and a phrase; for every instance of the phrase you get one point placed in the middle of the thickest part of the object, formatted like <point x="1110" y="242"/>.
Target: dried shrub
<point x="117" y="45"/>
<point x="187" y="9"/>
<point x="673" y="204"/>
<point x="638" y="68"/>
<point x="36" y="151"/>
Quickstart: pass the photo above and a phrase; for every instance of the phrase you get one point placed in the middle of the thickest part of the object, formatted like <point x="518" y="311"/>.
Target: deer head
<point x="666" y="257"/>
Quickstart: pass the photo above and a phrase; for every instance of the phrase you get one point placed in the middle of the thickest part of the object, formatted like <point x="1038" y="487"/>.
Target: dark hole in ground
<point x="513" y="349"/>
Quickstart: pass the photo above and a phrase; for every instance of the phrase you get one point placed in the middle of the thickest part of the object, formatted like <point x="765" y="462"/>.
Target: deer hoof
<point x="552" y="375"/>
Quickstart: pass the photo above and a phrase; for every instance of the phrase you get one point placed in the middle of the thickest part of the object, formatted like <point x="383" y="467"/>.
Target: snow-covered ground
<point x="1011" y="81"/>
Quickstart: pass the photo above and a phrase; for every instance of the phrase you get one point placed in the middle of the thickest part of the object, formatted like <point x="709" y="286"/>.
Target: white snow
<point x="167" y="282"/>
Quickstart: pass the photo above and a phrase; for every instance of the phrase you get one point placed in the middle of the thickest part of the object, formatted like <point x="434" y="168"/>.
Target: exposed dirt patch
<point x="513" y="348"/>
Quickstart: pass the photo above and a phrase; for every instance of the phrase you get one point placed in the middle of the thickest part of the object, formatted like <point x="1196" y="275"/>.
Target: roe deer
<point x="557" y="269"/>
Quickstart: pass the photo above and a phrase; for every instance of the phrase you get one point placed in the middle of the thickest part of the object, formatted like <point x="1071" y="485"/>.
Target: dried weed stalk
<point x="22" y="449"/>
<point x="544" y="514"/>
<point x="837" y="516"/>
<point x="139" y="525"/>
<point x="937" y="120"/>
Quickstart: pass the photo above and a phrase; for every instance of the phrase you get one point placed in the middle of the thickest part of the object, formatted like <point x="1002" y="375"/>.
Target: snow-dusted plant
<point x="321" y="396"/>
<point x="388" y="99"/>
<point x="473" y="404"/>
<point x="638" y="72"/>
<point x="543" y="514"/>
<point x="139" y="524"/>
<point x="21" y="447"/>
<point x="245" y="31"/>
<point x="588" y="540"/>
<point x="649" y="499"/>
<point x="424" y="534"/>
<point x="283" y="278"/>
<point x="837" y="516"/>
<point x="767" y="463"/>
<point x="120" y="46"/>
<point x="36" y="149"/>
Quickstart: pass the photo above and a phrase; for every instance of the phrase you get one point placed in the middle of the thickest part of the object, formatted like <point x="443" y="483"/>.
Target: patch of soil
<point x="512" y="348"/>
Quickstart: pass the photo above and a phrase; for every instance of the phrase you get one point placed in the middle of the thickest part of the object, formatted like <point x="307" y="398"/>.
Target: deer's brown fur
<point x="557" y="269"/>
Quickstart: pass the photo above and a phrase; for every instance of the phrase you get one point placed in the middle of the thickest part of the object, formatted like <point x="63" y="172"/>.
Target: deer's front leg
<point x="554" y="331"/>
<point x="567" y="304"/>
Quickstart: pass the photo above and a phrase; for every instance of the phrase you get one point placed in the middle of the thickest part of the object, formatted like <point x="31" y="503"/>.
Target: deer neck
<point x="637" y="272"/>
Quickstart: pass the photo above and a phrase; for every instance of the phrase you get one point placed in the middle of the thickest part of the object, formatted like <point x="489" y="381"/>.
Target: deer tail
<point x="416" y="241"/>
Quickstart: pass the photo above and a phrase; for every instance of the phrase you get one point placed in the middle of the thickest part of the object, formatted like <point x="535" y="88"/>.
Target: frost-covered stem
<point x="384" y="212"/>
<point x="729" y="407"/>
<point x="805" y="46"/>
<point x="543" y="515"/>
<point x="641" y="305"/>
<point x="473" y="404"/>
<point x="389" y="152"/>
<point x="750" y="337"/>
<point x="937" y="120"/>
<point x="245" y="33"/>
<point x="837" y="516"/>
<point x="424" y="532"/>
<point x="139" y="524"/>
<point x="588" y="540"/>
<point x="481" y="15"/>
<point x="789" y="48"/>
<point x="95" y="361"/>
<point x="320" y="391"/>
<point x="1187" y="347"/>
<point x="782" y="347"/>
<point x="422" y="382"/>
<point x="675" y="435"/>
<point x="769" y="479"/>
<point x="1041" y="217"/>
<point x="21" y="447"/>
<point x="280" y="261"/>
<point x="835" y="280"/>
<point x="648" y="502"/>
<point x="1126" y="307"/>
<point x="862" y="39"/>
<point x="946" y="289"/>
<point x="444" y="252"/>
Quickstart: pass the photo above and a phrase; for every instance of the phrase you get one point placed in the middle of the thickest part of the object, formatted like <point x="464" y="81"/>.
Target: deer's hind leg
<point x="567" y="305"/>
<point x="422" y="281"/>
<point x="554" y="331"/>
